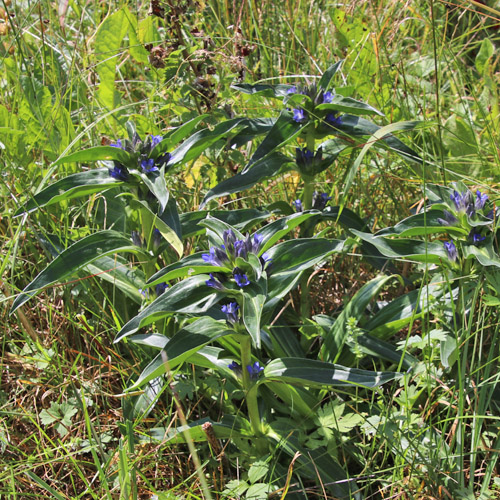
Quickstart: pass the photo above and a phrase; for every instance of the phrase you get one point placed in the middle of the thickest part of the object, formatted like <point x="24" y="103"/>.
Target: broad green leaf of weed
<point x="257" y="471"/>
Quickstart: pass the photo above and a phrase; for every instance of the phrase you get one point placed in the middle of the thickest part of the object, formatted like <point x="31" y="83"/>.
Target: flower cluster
<point x="232" y="250"/>
<point x="231" y="312"/>
<point x="142" y="150"/>
<point x="464" y="208"/>
<point x="254" y="370"/>
<point x="319" y="202"/>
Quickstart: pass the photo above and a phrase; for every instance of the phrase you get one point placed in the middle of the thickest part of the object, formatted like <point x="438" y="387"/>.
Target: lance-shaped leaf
<point x="253" y="128"/>
<point x="230" y="426"/>
<point x="155" y="181"/>
<point x="176" y="135"/>
<point x="182" y="346"/>
<point x="314" y="373"/>
<point x="335" y="337"/>
<point x="279" y="90"/>
<point x="325" y="82"/>
<point x="74" y="258"/>
<point x="242" y="219"/>
<point x="349" y="105"/>
<point x="191" y="296"/>
<point x="485" y="254"/>
<point x="188" y="266"/>
<point x="97" y="153"/>
<point x="263" y="168"/>
<point x="283" y="131"/>
<point x="422" y="224"/>
<point x="355" y="126"/>
<point x="254" y="297"/>
<point x="420" y="251"/>
<point x="192" y="147"/>
<point x="73" y="186"/>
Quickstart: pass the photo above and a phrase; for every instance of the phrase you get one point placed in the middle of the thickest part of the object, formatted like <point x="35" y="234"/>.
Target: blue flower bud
<point x="451" y="250"/>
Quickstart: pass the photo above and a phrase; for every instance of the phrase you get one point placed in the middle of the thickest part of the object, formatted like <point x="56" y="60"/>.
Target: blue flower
<point x="475" y="237"/>
<point x="214" y="283"/>
<point x="481" y="200"/>
<point x="240" y="278"/>
<point x="451" y="250"/>
<point x="333" y="120"/>
<point x="155" y="139"/>
<point x="449" y="219"/>
<point x="303" y="157"/>
<point x="136" y="238"/>
<point x="216" y="257"/>
<point x="234" y="366"/>
<point x="299" y="115"/>
<point x="254" y="370"/>
<point x="464" y="202"/>
<point x="118" y="144"/>
<point x="298" y="206"/>
<point x="292" y="90"/>
<point x="119" y="172"/>
<point x="160" y="288"/>
<point x="320" y="200"/>
<point x="231" y="312"/>
<point x="149" y="165"/>
<point x="328" y="97"/>
<point x="163" y="159"/>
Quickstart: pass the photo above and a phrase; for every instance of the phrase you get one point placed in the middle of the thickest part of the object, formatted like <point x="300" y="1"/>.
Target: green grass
<point x="423" y="61"/>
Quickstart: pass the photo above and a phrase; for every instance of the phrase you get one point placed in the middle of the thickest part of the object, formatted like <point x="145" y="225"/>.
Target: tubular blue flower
<point x="297" y="204"/>
<point x="449" y="219"/>
<point x="148" y="165"/>
<point x="155" y="140"/>
<point x="451" y="250"/>
<point x="463" y="202"/>
<point x="255" y="369"/>
<point x="299" y="115"/>
<point x="234" y="366"/>
<point x="333" y="120"/>
<point x="475" y="237"/>
<point x="160" y="288"/>
<point x="231" y="312"/>
<point x="320" y="200"/>
<point x="256" y="243"/>
<point x="292" y="90"/>
<point x="216" y="257"/>
<point x="240" y="249"/>
<point x="136" y="238"/>
<point x="214" y="283"/>
<point x="119" y="172"/>
<point x="118" y="144"/>
<point x="240" y="278"/>
<point x="163" y="159"/>
<point x="481" y="200"/>
<point x="328" y="97"/>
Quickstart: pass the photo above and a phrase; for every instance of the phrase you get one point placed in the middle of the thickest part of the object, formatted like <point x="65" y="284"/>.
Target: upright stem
<point x="306" y="232"/>
<point x="250" y="395"/>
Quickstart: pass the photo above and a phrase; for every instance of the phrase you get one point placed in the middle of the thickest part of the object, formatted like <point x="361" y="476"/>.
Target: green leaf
<point x="191" y="296"/>
<point x="283" y="131"/>
<point x="349" y="105"/>
<point x="155" y="181"/>
<point x="254" y="297"/>
<point x="335" y="338"/>
<point x="182" y="346"/>
<point x="279" y="90"/>
<point x="241" y="219"/>
<point x="420" y="225"/>
<point x="486" y="51"/>
<point x="73" y="186"/>
<point x="192" y="147"/>
<point x="74" y="258"/>
<point x="325" y="82"/>
<point x="108" y="39"/>
<point x="420" y="251"/>
<point x="188" y="266"/>
<point x="264" y="168"/>
<point x="258" y="470"/>
<point x="97" y="153"/>
<point x="313" y="373"/>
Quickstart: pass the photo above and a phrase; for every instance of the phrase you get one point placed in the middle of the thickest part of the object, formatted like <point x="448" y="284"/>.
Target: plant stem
<point x="250" y="395"/>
